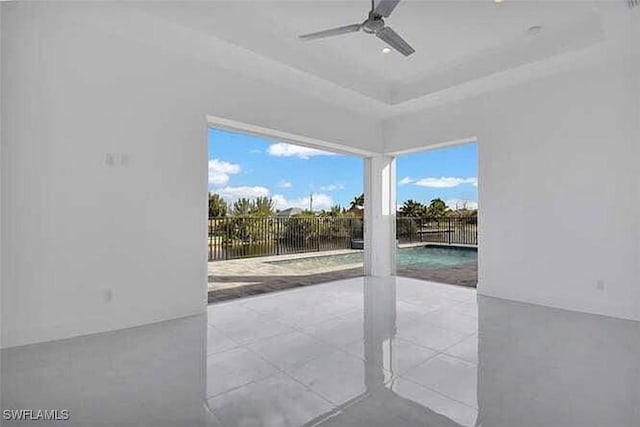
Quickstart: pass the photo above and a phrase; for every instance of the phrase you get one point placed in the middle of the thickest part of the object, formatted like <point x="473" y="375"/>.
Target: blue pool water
<point x="419" y="257"/>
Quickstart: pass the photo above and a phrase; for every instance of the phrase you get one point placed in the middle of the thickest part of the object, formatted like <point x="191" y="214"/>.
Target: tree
<point x="437" y="208"/>
<point x="357" y="202"/>
<point x="413" y="209"/>
<point x="301" y="229"/>
<point x="262" y="207"/>
<point x="336" y="211"/>
<point x="242" y="207"/>
<point x="305" y="213"/>
<point x="217" y="206"/>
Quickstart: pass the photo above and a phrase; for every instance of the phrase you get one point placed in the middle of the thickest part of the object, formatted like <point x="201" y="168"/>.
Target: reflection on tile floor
<point x="353" y="341"/>
<point x="359" y="352"/>
<point x="404" y="352"/>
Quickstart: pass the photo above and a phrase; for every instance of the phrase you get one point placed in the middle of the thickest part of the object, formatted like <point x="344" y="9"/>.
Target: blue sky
<point x="448" y="173"/>
<point x="247" y="166"/>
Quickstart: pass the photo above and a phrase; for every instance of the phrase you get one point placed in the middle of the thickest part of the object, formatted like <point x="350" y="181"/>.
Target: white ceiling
<point x="453" y="39"/>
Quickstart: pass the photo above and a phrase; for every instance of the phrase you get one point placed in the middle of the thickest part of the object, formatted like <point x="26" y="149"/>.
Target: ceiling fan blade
<point x="385" y="7"/>
<point x="332" y="32"/>
<point x="394" y="40"/>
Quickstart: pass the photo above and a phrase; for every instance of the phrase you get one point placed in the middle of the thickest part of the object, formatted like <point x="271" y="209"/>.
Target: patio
<point x="251" y="276"/>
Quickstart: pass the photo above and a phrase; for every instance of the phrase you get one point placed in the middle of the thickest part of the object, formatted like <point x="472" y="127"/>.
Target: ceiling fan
<point x="374" y="24"/>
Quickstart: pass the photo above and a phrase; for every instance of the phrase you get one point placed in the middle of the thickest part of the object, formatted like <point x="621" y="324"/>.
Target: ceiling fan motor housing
<point x="372" y="25"/>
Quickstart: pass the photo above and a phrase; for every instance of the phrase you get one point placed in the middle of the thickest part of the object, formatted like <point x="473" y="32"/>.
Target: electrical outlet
<point x="600" y="285"/>
<point x="108" y="295"/>
<point x="109" y="160"/>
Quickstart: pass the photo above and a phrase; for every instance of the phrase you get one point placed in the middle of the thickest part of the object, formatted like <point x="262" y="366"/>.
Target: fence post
<point x="449" y="230"/>
<point x="229" y="246"/>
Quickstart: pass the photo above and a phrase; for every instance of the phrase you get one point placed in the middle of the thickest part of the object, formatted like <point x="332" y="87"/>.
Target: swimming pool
<point x="418" y="257"/>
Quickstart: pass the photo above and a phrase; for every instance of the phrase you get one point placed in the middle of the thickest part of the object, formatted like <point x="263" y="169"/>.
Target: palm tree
<point x="242" y="207"/>
<point x="413" y="209"/>
<point x="262" y="207"/>
<point x="437" y="208"/>
<point x="357" y="202"/>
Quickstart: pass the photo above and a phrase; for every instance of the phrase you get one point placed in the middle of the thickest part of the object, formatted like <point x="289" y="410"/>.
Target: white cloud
<point x="446" y="182"/>
<point x="320" y="201"/>
<point x="219" y="171"/>
<point x="406" y="180"/>
<point x="231" y="194"/>
<point x="282" y="149"/>
<point x="460" y="204"/>
<point x="255" y="151"/>
<point x="332" y="187"/>
<point x="284" y="184"/>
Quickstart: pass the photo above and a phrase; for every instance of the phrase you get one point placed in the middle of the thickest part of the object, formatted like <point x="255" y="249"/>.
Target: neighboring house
<point x="288" y="212"/>
<point x="463" y="212"/>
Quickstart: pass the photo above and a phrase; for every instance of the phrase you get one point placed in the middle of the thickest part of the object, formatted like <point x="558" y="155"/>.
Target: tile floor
<point x="359" y="352"/>
<point x="340" y="342"/>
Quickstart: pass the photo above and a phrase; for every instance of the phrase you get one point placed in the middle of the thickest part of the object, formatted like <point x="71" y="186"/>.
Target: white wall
<point x="559" y="185"/>
<point x="1" y="150"/>
<point x="73" y="228"/>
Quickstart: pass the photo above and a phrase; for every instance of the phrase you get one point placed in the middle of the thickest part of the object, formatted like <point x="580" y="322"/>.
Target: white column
<point x="380" y="216"/>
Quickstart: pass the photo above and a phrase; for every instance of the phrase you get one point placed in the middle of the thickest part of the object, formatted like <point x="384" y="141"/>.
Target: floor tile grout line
<point x="460" y="359"/>
<point x="465" y="334"/>
<point x="435" y="354"/>
<point x="279" y="320"/>
<point x="220" y="332"/>
<point x="247" y="343"/>
<point x="307" y="333"/>
<point x="211" y="411"/>
<point x="232" y="389"/>
<point x="439" y="353"/>
<point x="287" y="374"/>
<point x="413" y="303"/>
<point x="309" y="389"/>
<point x="438" y="392"/>
<point x="295" y="328"/>
<point x="335" y="348"/>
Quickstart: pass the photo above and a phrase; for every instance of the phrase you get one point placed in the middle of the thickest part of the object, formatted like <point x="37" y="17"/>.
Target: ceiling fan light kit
<point x="374" y="24"/>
